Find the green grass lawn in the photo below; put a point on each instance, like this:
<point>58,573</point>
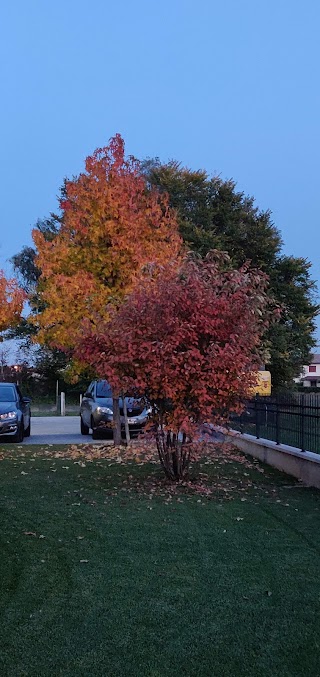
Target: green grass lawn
<point>106,570</point>
<point>47,407</point>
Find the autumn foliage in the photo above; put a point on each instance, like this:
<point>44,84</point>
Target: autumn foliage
<point>188,340</point>
<point>11,302</point>
<point>111,227</point>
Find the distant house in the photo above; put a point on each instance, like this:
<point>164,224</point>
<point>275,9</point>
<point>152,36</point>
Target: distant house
<point>310,376</point>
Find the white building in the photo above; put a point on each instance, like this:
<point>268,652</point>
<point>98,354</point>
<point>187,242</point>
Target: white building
<point>310,376</point>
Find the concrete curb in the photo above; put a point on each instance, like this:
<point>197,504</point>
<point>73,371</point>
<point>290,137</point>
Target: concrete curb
<point>304,465</point>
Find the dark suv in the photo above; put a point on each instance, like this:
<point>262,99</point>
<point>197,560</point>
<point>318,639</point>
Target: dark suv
<point>96,411</point>
<point>15,412</point>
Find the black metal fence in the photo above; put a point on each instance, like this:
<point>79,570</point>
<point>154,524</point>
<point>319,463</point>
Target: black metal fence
<point>292,419</point>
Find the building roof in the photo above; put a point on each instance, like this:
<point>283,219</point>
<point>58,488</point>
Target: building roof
<point>315,359</point>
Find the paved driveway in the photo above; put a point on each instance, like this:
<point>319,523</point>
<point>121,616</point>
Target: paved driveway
<point>66,430</point>
<point>56,430</point>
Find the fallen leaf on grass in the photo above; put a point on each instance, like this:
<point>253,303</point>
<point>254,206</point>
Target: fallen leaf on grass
<point>84,561</point>
<point>29,533</point>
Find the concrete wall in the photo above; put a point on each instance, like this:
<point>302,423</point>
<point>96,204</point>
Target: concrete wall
<point>304,465</point>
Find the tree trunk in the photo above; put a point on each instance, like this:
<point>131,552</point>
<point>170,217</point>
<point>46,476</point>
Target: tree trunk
<point>126,424</point>
<point>174,453</point>
<point>116,422</point>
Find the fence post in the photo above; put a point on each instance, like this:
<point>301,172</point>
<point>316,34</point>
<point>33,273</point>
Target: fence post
<point>63,404</point>
<point>277,423</point>
<point>302,410</point>
<point>57,396</point>
<point>256,410</point>
<point>241,423</point>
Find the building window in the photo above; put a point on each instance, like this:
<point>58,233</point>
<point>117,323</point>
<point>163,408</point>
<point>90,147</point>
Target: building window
<point>312,368</point>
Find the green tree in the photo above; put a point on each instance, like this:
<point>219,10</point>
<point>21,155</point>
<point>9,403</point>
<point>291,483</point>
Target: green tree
<point>213,214</point>
<point>24,262</point>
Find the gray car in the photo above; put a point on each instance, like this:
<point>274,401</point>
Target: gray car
<point>15,413</point>
<point>96,411</point>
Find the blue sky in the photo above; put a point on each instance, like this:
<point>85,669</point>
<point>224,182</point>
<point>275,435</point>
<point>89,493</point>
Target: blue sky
<point>232,87</point>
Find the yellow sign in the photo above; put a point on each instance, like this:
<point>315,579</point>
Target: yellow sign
<point>263,386</point>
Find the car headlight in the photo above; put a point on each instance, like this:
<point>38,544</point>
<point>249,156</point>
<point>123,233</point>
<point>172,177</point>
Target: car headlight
<point>8,415</point>
<point>104,410</point>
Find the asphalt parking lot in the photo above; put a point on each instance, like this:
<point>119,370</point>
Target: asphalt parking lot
<point>57,430</point>
<point>66,430</point>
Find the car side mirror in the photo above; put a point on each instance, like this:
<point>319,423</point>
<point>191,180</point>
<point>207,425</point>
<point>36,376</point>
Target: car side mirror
<point>26,400</point>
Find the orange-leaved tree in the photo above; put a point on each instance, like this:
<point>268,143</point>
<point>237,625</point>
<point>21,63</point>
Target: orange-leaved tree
<point>11,302</point>
<point>112,227</point>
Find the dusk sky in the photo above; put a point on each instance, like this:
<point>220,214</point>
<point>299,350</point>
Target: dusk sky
<point>231,87</point>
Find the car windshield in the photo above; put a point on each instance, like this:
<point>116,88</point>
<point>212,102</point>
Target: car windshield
<point>7,394</point>
<point>104,389</point>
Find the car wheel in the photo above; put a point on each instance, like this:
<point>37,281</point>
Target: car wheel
<point>18,437</point>
<point>95,432</point>
<point>83,427</point>
<point>27,432</point>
